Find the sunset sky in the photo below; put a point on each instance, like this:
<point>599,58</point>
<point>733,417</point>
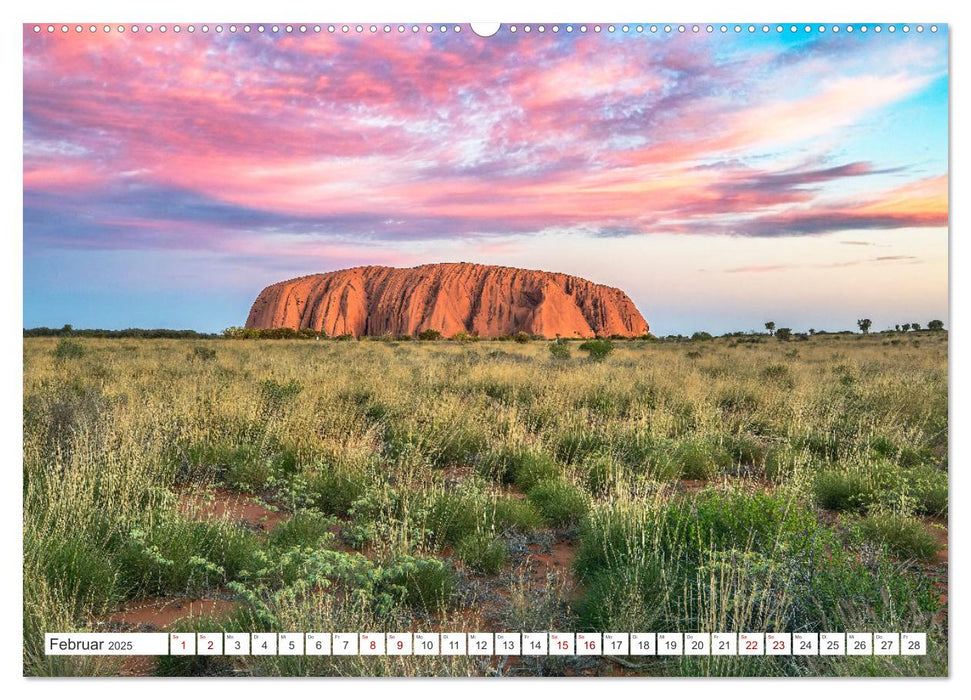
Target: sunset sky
<point>721,180</point>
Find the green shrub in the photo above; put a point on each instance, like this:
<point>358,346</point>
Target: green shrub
<point>601,474</point>
<point>928,488</point>
<point>483,553</point>
<point>249,471</point>
<point>68,349</point>
<point>597,350</point>
<point>902,536</point>
<point>430,334</point>
<point>747,449</point>
<point>842,490</point>
<point>577,443</point>
<point>524,466</point>
<point>275,396</point>
<point>428,583</point>
<point>628,597</point>
<point>176,556</point>
<point>239,466</point>
<point>203,353</point>
<point>305,529</point>
<point>333,490</point>
<point>81,572</point>
<point>516,513</point>
<point>560,502</point>
<point>560,350</point>
<point>697,459</point>
<point>453,516</point>
<point>779,375</point>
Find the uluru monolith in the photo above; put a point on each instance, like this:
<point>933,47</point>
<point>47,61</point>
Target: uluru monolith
<point>484,300</point>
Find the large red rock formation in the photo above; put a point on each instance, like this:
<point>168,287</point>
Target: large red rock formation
<point>484,300</point>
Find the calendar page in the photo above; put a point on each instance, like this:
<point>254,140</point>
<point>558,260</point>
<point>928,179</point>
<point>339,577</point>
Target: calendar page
<point>478,350</point>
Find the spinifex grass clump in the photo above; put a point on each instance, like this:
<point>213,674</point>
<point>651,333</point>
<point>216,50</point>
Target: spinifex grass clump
<point>560,502</point>
<point>902,536</point>
<point>731,561</point>
<point>175,556</point>
<point>744,488</point>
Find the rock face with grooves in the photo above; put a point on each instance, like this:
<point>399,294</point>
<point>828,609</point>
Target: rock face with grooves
<point>484,300</point>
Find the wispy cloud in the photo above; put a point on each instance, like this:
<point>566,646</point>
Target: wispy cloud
<point>228,141</point>
<point>822,266</point>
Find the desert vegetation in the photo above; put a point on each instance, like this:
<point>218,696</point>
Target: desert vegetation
<point>721,484</point>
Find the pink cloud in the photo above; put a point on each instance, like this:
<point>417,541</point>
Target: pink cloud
<point>634,135</point>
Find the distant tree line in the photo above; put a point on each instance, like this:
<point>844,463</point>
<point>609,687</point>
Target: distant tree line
<point>68,331</point>
<point>783,334</point>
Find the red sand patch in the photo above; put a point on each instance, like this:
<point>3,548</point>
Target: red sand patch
<point>162,613</point>
<point>558,560</point>
<point>221,504</point>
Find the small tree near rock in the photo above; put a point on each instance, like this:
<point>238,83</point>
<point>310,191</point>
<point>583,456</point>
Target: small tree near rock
<point>597,350</point>
<point>560,350</point>
<point>430,334</point>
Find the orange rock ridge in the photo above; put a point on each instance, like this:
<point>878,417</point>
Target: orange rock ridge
<point>484,300</point>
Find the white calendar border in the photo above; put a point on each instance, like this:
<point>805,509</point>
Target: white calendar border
<point>11,648</point>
